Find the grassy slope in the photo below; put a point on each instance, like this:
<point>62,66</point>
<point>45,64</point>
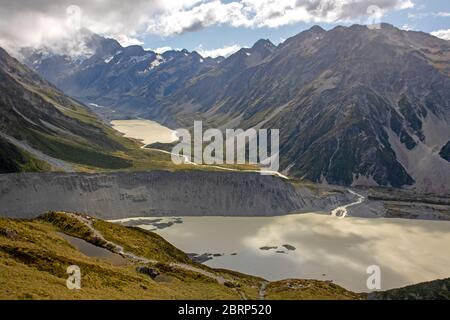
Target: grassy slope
<point>12,159</point>
<point>34,111</point>
<point>433,290</point>
<point>34,258</point>
<point>307,290</point>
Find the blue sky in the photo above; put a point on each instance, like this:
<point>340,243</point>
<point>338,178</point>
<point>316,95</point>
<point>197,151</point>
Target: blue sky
<point>202,25</point>
<point>424,16</point>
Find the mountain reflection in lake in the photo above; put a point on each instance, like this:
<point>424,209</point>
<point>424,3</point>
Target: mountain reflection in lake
<point>326,248</point>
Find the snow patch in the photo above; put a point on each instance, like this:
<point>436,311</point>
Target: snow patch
<point>159,60</point>
<point>108,59</point>
<point>136,59</point>
<point>95,105</point>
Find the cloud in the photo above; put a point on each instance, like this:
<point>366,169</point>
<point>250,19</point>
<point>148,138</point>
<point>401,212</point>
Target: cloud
<point>126,41</point>
<point>407,27</point>
<point>33,23</point>
<point>198,17</point>
<point>443,34</point>
<point>269,13</point>
<point>420,15</point>
<point>50,22</point>
<point>161,49</point>
<point>220,52</point>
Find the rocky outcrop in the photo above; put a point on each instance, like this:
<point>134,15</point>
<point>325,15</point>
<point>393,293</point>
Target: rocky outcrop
<point>159,193</point>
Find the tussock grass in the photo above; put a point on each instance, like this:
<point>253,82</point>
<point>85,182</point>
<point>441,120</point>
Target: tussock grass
<point>34,258</point>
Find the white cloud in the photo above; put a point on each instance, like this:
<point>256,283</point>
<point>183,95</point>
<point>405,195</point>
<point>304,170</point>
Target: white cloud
<point>198,17</point>
<point>33,23</point>
<point>443,34</point>
<point>406,4</point>
<point>50,22</point>
<point>420,15</point>
<point>220,52</point>
<point>126,41</point>
<point>162,49</point>
<point>407,27</point>
<point>269,13</point>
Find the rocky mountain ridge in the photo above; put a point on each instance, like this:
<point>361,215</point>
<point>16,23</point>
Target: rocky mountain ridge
<point>355,105</point>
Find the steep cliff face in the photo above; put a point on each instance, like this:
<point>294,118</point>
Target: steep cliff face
<point>190,193</point>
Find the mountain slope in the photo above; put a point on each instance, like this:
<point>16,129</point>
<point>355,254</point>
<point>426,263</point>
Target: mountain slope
<point>39,122</point>
<point>35,254</point>
<point>13,159</point>
<point>129,79</point>
<point>43,129</point>
<point>354,105</point>
<point>433,290</point>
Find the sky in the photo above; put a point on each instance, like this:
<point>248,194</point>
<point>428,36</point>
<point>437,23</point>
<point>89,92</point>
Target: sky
<point>211,27</point>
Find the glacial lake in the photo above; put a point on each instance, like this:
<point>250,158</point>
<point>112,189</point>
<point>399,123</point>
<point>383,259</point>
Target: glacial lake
<point>326,247</point>
<point>316,246</point>
<point>147,131</point>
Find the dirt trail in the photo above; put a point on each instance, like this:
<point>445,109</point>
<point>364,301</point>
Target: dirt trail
<point>262,290</point>
<point>87,221</point>
<point>187,161</point>
<point>219,279</point>
<point>116,248</point>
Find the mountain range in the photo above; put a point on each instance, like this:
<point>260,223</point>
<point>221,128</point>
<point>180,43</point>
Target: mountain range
<point>354,105</point>
<point>43,129</point>
<point>128,78</point>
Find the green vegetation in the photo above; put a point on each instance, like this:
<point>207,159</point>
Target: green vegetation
<point>141,242</point>
<point>14,160</point>
<point>34,112</point>
<point>71,226</point>
<point>433,290</point>
<point>82,155</point>
<point>34,258</point>
<point>309,290</point>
